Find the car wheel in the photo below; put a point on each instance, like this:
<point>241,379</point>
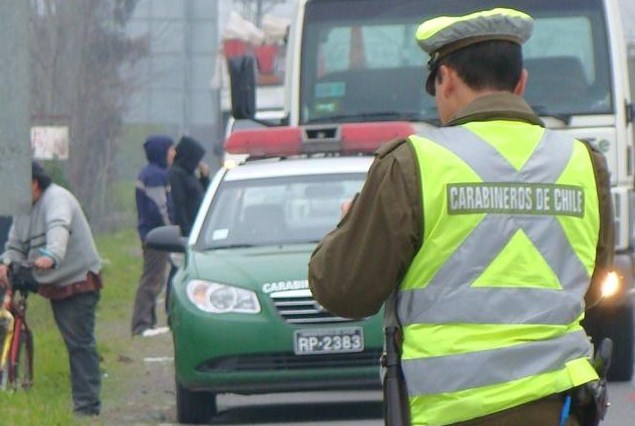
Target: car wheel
<point>194,407</point>
<point>616,323</point>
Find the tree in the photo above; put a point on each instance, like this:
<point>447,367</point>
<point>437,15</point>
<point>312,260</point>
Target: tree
<point>254,10</point>
<point>78,50</point>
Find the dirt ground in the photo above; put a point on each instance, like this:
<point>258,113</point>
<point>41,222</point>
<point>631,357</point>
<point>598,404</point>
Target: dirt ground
<point>139,389</point>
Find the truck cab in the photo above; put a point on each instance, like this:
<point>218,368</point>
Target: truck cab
<point>357,61</point>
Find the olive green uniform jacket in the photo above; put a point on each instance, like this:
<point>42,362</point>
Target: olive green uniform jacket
<point>357,266</point>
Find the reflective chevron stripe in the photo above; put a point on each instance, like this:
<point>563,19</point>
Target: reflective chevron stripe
<point>477,326</point>
<point>439,302</point>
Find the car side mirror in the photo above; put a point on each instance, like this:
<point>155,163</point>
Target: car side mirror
<point>242,73</point>
<point>166,238</point>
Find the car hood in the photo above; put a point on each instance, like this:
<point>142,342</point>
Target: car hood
<point>262,269</point>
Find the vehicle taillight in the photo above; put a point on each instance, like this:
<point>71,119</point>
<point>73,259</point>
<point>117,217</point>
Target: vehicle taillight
<point>610,285</point>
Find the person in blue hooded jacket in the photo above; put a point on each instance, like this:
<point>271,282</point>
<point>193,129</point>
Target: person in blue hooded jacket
<point>154,209</point>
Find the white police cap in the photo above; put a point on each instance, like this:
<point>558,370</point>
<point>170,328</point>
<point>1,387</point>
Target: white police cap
<point>446,34</point>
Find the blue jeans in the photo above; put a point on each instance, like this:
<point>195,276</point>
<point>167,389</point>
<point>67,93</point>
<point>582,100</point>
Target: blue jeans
<point>75,318</point>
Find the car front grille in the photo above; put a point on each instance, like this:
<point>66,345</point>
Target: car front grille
<point>290,361</point>
<point>299,307</point>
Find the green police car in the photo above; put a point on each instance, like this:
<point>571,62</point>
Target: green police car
<point>242,317</point>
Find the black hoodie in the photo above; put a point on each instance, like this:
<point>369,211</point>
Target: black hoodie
<point>187,188</point>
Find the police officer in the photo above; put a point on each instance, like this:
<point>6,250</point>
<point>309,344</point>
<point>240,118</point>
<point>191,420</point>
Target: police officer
<point>484,237</point>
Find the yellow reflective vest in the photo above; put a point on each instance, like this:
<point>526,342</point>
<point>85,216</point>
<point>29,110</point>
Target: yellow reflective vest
<point>492,303</point>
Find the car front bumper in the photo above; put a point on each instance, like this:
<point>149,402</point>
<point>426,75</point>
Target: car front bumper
<point>251,354</point>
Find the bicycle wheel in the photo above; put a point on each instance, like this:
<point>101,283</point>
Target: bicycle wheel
<point>21,363</point>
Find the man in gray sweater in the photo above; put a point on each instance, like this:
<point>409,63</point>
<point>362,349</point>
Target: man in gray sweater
<point>56,238</point>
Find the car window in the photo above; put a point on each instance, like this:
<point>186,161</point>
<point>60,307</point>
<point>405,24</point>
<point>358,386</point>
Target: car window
<point>288,210</point>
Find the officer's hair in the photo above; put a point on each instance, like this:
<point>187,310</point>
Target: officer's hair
<point>495,65</point>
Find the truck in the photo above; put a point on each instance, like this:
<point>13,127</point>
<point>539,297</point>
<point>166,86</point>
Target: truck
<point>357,61</point>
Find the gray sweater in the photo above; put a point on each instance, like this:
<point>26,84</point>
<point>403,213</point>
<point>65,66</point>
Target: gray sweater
<point>58,227</point>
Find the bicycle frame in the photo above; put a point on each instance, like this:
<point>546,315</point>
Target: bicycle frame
<point>6,323</point>
<point>13,312</point>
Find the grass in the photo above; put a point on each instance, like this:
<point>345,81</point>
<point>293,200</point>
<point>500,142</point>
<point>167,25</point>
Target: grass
<point>48,402</point>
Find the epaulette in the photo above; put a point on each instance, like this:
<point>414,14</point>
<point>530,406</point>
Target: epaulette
<point>590,146</point>
<point>389,147</point>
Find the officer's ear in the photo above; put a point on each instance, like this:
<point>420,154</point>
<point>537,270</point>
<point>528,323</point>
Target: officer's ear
<point>446,79</point>
<point>522,83</point>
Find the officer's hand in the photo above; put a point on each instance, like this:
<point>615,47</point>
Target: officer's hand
<point>44,262</point>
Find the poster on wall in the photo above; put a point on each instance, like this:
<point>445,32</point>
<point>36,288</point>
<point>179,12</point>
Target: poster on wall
<point>50,142</point>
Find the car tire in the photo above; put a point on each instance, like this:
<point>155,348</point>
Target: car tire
<point>616,323</point>
<point>194,407</point>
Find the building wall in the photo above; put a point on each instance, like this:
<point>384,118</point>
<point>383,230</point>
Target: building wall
<point>628,18</point>
<point>174,91</point>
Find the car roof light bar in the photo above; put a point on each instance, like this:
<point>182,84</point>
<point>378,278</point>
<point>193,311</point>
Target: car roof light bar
<point>367,137</point>
<point>347,138</point>
<point>266,142</point>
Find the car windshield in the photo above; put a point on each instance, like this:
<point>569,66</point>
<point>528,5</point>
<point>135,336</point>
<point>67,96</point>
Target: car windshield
<point>368,64</point>
<point>277,211</point>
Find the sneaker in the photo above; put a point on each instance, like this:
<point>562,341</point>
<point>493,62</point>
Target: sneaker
<point>154,331</point>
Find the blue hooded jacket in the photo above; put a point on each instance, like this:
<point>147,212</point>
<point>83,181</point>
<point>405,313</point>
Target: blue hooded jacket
<point>154,204</point>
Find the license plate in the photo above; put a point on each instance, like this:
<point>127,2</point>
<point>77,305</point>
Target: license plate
<point>322,341</point>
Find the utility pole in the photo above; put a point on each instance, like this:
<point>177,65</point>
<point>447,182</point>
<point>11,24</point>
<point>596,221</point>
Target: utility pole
<point>188,58</point>
<point>15,121</point>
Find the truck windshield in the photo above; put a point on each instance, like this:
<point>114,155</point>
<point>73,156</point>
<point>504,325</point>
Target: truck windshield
<point>361,61</point>
<point>277,211</point>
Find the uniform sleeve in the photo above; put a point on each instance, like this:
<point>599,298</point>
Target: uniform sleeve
<point>354,268</point>
<point>606,241</point>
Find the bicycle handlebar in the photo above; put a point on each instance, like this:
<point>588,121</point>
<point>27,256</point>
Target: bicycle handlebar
<point>20,276</point>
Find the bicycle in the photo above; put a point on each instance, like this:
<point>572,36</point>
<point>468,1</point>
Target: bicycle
<point>16,356</point>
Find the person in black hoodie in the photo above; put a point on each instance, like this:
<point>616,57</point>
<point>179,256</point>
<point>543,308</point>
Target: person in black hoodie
<point>188,177</point>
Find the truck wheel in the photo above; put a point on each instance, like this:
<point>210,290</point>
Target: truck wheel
<point>616,323</point>
<point>621,331</point>
<point>194,407</point>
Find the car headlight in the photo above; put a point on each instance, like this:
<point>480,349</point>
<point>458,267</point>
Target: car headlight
<point>610,285</point>
<point>221,298</point>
